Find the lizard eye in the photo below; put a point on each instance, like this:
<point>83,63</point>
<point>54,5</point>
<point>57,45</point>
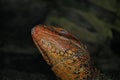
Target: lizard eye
<point>63,31</point>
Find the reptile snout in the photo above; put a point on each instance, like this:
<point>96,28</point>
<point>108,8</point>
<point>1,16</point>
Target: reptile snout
<point>33,30</point>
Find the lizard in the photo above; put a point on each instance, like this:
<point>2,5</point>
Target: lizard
<point>68,57</point>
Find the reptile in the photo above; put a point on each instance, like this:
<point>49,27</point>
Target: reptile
<point>68,57</point>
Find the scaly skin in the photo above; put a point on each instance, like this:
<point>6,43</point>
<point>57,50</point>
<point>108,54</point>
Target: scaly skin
<point>68,57</point>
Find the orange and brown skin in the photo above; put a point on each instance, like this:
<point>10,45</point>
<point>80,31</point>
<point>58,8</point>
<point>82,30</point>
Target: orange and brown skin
<point>67,56</point>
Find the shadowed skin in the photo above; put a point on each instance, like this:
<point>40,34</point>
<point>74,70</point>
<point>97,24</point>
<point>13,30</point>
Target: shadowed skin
<point>67,56</point>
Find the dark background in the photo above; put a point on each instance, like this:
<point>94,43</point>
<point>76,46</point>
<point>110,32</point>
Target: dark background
<point>95,22</point>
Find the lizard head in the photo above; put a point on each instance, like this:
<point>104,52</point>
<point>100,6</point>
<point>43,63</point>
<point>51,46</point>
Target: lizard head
<point>54,43</point>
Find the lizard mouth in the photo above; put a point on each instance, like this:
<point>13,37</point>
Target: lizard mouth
<point>34,37</point>
<point>45,56</point>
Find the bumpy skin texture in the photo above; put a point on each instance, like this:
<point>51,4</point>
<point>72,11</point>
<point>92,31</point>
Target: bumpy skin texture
<point>67,56</point>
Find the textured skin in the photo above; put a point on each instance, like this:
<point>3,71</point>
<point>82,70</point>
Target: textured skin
<point>68,57</point>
